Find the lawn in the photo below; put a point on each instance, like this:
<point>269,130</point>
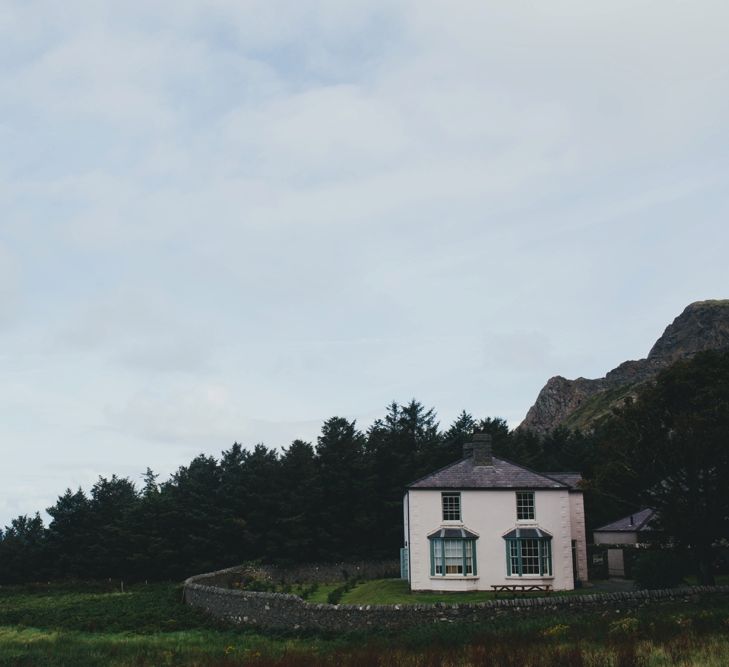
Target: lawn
<point>396,591</point>
<point>90,625</point>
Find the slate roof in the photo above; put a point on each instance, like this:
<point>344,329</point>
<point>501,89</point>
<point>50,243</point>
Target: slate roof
<point>501,475</point>
<point>571,479</point>
<point>462,533</point>
<point>527,533</point>
<point>641,521</point>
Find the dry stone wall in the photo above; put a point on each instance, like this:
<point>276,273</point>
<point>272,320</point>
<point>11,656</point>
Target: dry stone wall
<point>278,611</point>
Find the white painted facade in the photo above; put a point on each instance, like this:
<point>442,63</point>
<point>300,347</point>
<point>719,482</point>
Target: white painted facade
<point>491,514</point>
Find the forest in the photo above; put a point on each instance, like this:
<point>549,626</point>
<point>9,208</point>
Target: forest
<point>340,498</point>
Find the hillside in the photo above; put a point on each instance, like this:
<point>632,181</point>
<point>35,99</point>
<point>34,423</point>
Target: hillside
<point>703,325</point>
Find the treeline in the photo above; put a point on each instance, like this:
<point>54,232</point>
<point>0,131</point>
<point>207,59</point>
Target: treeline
<point>337,499</point>
<point>341,498</point>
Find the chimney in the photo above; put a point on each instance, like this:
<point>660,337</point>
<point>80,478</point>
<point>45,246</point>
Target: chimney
<point>482,455</point>
<point>631,519</point>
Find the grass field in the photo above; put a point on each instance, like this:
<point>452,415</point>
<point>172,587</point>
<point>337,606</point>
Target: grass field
<point>396,591</point>
<point>95,624</point>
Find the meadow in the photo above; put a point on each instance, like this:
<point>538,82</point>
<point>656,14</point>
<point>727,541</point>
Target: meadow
<point>90,624</point>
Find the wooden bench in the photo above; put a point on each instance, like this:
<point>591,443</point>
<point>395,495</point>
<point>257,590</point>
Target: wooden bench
<point>521,588</point>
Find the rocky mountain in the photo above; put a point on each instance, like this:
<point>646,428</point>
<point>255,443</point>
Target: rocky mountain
<point>703,325</point>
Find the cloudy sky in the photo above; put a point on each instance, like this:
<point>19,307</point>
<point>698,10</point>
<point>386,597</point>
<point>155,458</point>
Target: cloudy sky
<point>230,220</point>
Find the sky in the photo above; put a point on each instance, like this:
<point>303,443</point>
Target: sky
<point>229,221</point>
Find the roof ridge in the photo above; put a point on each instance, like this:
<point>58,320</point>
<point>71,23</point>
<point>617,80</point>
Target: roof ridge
<point>650,515</point>
<point>503,473</point>
<point>617,524</point>
<point>434,472</point>
<point>535,472</point>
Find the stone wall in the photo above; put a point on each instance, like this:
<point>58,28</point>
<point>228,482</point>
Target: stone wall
<point>330,573</point>
<point>319,573</point>
<point>278,611</point>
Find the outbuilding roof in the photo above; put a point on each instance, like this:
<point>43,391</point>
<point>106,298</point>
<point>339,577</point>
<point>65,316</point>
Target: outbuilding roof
<point>502,474</point>
<point>633,523</point>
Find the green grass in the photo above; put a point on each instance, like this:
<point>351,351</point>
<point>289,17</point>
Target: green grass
<point>317,597</point>
<point>720,580</point>
<point>51,648</point>
<point>90,625</point>
<point>597,407</point>
<point>397,591</point>
<point>93,607</point>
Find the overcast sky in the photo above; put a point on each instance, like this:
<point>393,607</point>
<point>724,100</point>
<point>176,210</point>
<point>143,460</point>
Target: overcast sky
<point>231,220</point>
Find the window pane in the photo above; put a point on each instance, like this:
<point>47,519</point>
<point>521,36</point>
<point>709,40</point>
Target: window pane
<point>451,506</point>
<point>454,556</point>
<point>468,545</point>
<point>546,557</point>
<point>524,505</point>
<point>514,556</point>
<point>438,556</point>
<point>529,556</point>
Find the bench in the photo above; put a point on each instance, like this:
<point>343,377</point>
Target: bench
<point>521,588</point>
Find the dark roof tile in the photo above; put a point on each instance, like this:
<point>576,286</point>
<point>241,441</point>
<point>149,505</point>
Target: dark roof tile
<point>632,523</point>
<point>571,479</point>
<point>502,474</point>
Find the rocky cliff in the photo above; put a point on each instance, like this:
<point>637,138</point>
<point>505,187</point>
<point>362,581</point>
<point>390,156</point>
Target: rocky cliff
<point>703,325</point>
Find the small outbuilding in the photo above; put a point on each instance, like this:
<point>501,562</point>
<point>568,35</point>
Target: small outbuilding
<point>636,528</point>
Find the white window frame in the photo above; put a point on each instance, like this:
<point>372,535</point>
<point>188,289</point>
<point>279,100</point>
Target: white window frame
<point>452,557</point>
<point>523,507</point>
<point>448,513</point>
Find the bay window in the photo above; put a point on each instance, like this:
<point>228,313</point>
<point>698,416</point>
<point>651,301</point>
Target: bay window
<point>528,553</point>
<point>453,552</point>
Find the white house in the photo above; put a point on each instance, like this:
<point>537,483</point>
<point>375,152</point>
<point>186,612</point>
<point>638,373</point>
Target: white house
<point>482,521</point>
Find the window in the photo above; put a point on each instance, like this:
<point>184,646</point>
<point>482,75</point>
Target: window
<point>528,552</point>
<point>451,503</point>
<point>524,505</point>
<point>452,552</point>
<point>453,556</point>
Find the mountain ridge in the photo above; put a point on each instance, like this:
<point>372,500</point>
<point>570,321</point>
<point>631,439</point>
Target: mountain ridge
<point>578,403</point>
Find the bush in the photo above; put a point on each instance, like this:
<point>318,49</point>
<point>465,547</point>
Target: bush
<point>657,569</point>
<point>336,595</point>
<point>625,627</point>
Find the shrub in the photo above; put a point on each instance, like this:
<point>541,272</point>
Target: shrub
<point>624,627</point>
<point>657,569</point>
<point>308,591</point>
<point>556,631</point>
<point>336,595</point>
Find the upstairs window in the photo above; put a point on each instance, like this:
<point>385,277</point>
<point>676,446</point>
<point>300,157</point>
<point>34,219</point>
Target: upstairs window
<point>451,503</point>
<point>525,505</point>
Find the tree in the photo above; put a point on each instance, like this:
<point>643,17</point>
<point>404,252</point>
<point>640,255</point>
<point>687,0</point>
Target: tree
<point>459,433</point>
<point>111,503</point>
<point>194,521</point>
<point>400,449</point>
<point>669,450</point>
<point>22,550</point>
<point>301,494</point>
<point>70,534</point>
<point>345,503</point>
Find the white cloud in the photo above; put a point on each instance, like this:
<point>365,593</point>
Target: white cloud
<point>234,219</point>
